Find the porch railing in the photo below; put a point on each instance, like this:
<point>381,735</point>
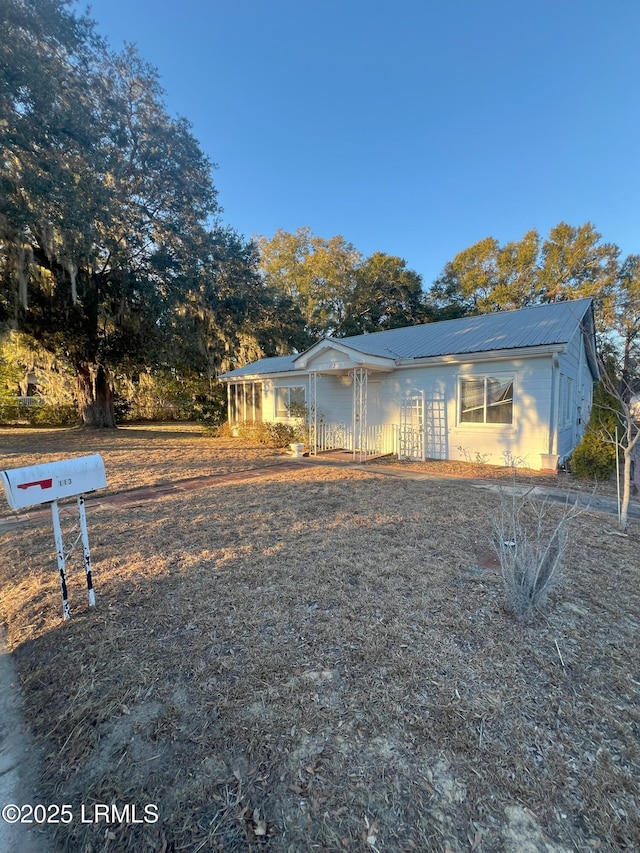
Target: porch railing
<point>380,439</point>
<point>335,436</point>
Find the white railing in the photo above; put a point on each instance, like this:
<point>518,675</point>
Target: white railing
<point>379,439</point>
<point>336,436</point>
<point>382,439</point>
<point>24,402</point>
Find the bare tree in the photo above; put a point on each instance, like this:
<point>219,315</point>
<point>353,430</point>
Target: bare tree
<point>626,436</point>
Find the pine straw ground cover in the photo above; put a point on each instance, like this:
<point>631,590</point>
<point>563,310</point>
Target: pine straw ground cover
<point>322,661</point>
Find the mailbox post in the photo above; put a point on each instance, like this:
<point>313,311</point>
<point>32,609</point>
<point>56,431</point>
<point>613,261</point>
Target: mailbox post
<point>49,483</point>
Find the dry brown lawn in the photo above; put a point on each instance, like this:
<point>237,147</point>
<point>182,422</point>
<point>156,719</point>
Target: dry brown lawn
<point>137,455</point>
<point>321,660</point>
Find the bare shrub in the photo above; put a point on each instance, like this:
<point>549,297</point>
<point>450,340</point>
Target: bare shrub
<point>532,545</point>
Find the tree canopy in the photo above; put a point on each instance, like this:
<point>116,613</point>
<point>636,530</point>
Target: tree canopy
<point>572,262</point>
<point>108,215</point>
<point>338,291</point>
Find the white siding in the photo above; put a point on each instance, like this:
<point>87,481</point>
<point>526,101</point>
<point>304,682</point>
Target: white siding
<point>551,402</point>
<point>334,396</point>
<point>446,438</point>
<point>335,399</point>
<point>576,392</point>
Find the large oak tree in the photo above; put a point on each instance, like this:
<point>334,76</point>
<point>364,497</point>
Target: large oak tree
<point>105,198</point>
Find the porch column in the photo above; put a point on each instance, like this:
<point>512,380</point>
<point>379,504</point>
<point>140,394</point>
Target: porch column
<point>313,413</point>
<point>360,377</point>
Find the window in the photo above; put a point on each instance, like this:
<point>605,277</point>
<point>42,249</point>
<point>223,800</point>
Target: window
<point>288,400</point>
<point>568,401</point>
<point>565,402</point>
<point>486,400</point>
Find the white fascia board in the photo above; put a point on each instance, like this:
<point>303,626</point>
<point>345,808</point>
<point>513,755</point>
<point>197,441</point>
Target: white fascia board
<point>489,355</point>
<point>262,377</point>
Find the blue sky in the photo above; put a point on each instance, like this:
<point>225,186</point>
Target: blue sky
<point>411,127</point>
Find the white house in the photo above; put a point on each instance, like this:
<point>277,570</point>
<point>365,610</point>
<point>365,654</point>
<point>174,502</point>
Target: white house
<point>502,388</point>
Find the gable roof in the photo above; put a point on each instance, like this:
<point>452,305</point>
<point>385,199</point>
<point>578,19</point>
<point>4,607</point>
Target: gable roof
<point>541,325</point>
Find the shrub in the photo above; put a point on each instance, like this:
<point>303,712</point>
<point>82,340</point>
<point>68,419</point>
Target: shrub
<point>121,408</point>
<point>210,412</point>
<point>274,434</point>
<point>50,415</point>
<point>43,414</point>
<point>595,457</point>
<point>269,434</point>
<point>531,547</point>
<point>10,412</point>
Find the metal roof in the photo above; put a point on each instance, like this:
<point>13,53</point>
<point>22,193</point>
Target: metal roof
<point>540,325</point>
<point>277,364</point>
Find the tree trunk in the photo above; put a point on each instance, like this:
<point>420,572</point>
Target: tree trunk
<point>95,397</point>
<point>626,489</point>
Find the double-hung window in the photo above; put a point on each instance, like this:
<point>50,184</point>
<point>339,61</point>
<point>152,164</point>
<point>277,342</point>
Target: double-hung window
<point>290,401</point>
<point>486,400</point>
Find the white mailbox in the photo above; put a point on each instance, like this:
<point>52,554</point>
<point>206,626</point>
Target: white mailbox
<point>49,483</point>
<point>52,481</point>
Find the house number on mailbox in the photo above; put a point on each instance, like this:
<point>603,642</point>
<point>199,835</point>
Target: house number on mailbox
<point>47,484</point>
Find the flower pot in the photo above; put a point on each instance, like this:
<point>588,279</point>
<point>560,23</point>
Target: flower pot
<point>549,463</point>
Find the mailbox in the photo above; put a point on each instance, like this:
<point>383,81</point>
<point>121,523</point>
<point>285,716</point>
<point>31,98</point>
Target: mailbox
<point>49,483</point>
<point>52,481</point>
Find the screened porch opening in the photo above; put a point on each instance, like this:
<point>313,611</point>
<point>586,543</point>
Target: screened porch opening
<point>245,402</point>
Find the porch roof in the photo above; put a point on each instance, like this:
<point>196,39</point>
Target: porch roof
<point>276,364</point>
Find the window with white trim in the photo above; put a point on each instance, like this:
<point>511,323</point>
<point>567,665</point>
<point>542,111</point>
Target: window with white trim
<point>288,399</point>
<point>486,400</point>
